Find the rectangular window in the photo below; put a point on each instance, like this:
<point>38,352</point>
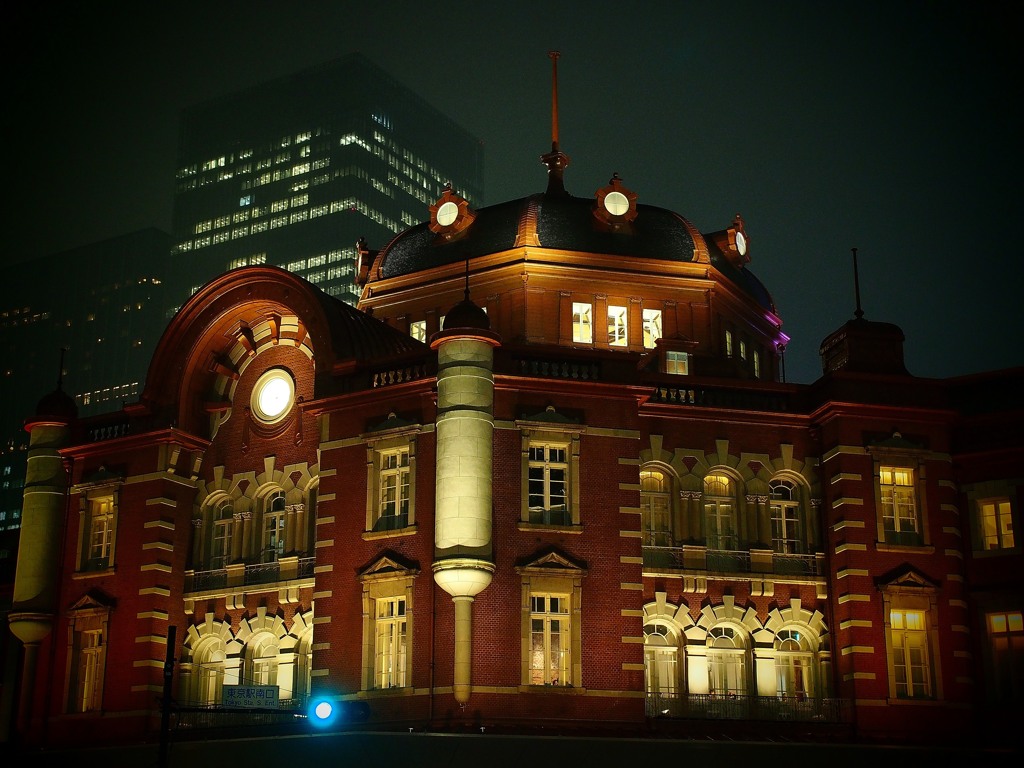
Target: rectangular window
<point>101,531</point>
<point>390,637</point>
<point>88,649</point>
<point>582,327</point>
<point>548,484</point>
<point>728,343</point>
<point>1006,635</point>
<point>550,640</point>
<point>757,364</point>
<point>996,523</point>
<point>393,512</point>
<point>273,531</point>
<point>677,363</point>
<point>652,327</point>
<point>617,326</point>
<point>910,654</point>
<point>899,507</point>
<point>418,330</point>
<point>743,350</point>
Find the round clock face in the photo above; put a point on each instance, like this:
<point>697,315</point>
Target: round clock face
<point>616,203</point>
<point>741,244</point>
<point>273,396</point>
<point>447,214</point>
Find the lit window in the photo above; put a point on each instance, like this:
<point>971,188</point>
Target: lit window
<point>743,350</point>
<point>996,523</point>
<point>261,655</point>
<point>418,330</point>
<point>793,665</point>
<point>548,484</point>
<point>274,528</point>
<point>677,363</point>
<point>390,647</point>
<point>728,343</point>
<point>582,327</point>
<point>617,326</point>
<point>393,511</point>
<point>655,509</point>
<point>785,506</point>
<point>661,664</point>
<point>652,327</point>
<point>899,507</point>
<point>99,523</point>
<point>223,536</point>
<point>911,665</point>
<point>727,662</point>
<point>550,640</point>
<point>720,512</point>
<point>757,364</point>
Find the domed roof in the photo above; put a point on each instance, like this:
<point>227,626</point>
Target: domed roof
<point>466,314</point>
<point>58,405</point>
<point>563,222</point>
<point>560,222</point>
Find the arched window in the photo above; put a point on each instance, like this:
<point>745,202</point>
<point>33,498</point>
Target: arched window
<point>727,662</point>
<point>273,527</point>
<point>261,659</point>
<point>655,508</point>
<point>794,664</point>
<point>720,512</point>
<point>661,662</point>
<point>208,665</point>
<point>786,517</point>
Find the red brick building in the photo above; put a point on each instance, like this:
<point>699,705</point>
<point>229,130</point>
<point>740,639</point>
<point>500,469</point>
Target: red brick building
<point>545,477</point>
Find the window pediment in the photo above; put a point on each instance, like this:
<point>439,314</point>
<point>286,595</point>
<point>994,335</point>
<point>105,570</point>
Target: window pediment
<point>907,577</point>
<point>552,561</point>
<point>387,567</point>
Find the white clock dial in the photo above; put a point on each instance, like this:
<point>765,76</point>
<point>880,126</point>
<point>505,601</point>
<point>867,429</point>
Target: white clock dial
<point>447,214</point>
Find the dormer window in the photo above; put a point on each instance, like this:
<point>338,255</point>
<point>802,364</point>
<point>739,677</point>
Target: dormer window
<point>677,363</point>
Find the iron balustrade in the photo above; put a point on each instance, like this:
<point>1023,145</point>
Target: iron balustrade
<point>727,561</point>
<point>254,573</point>
<point>740,706</point>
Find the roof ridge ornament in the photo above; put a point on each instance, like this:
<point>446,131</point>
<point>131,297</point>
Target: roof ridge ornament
<point>555,160</point>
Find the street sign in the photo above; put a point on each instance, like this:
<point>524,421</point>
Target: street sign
<point>250,696</point>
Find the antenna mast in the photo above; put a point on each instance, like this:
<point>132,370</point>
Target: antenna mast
<point>555,160</point>
<point>856,285</point>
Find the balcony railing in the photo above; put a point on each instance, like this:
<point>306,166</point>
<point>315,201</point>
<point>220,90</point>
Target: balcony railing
<point>733,706</point>
<point>696,558</point>
<point>254,573</point>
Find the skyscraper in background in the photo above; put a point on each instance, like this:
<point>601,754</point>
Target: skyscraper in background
<point>294,171</point>
<point>291,172</point>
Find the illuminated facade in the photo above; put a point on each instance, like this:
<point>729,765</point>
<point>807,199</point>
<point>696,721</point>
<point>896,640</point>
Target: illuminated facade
<point>545,474</point>
<point>294,171</point>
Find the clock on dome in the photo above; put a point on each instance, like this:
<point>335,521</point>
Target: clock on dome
<point>616,205</point>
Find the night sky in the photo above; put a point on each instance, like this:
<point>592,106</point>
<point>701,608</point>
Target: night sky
<point>891,127</point>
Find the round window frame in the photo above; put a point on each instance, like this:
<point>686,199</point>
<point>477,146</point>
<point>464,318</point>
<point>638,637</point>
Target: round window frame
<point>269,376</point>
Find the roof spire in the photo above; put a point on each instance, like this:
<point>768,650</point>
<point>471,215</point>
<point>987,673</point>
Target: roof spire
<point>856,285</point>
<point>555,160</point>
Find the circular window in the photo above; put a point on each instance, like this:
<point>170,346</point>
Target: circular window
<point>273,395</point>
<point>447,214</point>
<point>616,203</point>
<point>741,244</point>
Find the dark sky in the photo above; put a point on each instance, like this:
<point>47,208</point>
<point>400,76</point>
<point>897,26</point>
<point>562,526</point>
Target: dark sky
<point>891,127</point>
